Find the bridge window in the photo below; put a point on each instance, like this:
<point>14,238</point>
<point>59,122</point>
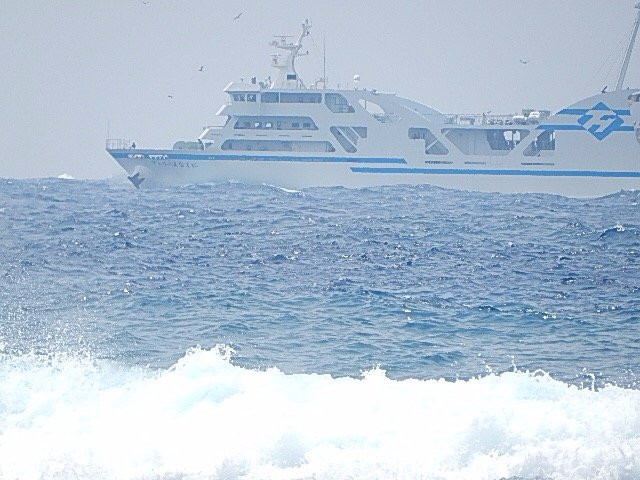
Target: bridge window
<point>251,97</point>
<point>286,97</point>
<point>337,103</point>
<point>290,97</point>
<point>238,97</point>
<point>270,97</point>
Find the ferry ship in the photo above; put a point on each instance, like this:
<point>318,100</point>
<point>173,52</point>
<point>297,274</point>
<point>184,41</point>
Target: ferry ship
<point>289,134</point>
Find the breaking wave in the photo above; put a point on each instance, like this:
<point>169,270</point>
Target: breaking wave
<point>79,417</point>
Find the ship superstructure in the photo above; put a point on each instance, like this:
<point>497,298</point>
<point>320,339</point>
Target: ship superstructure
<point>286,133</point>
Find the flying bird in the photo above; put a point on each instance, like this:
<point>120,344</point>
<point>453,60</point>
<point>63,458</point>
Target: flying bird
<point>146,3</point>
<point>201,69</point>
<point>170,96</point>
<point>524,62</point>
<point>237,16</point>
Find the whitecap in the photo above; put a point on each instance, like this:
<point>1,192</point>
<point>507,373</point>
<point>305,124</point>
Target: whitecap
<point>205,417</point>
<point>282,189</point>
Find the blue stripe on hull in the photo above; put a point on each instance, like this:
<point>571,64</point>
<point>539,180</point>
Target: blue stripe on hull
<point>169,155</point>
<point>622,128</point>
<point>583,111</point>
<point>165,155</point>
<point>464,171</point>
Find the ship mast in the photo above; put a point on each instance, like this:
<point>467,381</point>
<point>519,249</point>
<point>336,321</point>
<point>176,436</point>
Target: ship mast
<point>627,58</point>
<point>288,77</point>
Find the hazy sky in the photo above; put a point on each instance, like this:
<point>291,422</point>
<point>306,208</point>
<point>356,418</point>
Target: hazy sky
<point>70,68</point>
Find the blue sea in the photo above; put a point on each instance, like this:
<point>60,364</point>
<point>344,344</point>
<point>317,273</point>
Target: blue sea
<point>239,332</point>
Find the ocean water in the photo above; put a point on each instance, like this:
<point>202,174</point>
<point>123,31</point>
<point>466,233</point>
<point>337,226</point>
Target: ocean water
<point>250,332</point>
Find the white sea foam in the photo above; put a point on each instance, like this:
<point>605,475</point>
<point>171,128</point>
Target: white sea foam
<point>65,417</point>
<point>282,189</point>
<point>66,176</point>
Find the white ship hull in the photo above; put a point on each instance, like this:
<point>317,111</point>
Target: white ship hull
<point>294,175</point>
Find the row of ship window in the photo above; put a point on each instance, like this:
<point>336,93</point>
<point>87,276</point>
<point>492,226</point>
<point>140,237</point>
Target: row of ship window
<point>336,102</point>
<point>278,146</point>
<point>499,141</point>
<point>348,139</point>
<point>244,97</point>
<point>279,125</point>
<point>277,97</point>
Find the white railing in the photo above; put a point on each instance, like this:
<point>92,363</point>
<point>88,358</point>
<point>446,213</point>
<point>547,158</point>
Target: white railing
<point>478,119</point>
<point>491,119</point>
<point>120,144</point>
<point>213,130</point>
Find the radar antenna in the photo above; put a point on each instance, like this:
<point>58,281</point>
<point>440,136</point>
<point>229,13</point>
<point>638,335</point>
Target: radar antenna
<point>627,57</point>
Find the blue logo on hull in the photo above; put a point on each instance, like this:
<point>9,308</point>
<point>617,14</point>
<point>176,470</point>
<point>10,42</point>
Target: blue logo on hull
<point>599,120</point>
